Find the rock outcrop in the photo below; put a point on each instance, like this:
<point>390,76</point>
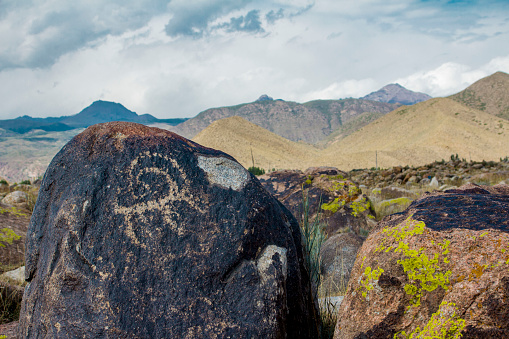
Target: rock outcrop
<point>440,269</point>
<point>140,233</point>
<point>340,202</point>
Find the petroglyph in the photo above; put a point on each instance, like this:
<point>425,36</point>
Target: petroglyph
<point>153,189</point>
<point>224,172</point>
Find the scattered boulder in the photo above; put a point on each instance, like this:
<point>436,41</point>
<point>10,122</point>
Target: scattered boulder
<point>392,206</point>
<point>434,182</point>
<point>340,201</point>
<point>140,233</point>
<point>439,268</point>
<point>14,198</point>
<point>393,192</point>
<point>337,256</point>
<point>17,276</point>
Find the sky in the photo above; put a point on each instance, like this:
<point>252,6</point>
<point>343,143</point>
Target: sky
<point>176,58</point>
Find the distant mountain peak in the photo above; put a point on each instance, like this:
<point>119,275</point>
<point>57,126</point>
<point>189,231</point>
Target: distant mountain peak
<point>395,93</point>
<point>264,97</point>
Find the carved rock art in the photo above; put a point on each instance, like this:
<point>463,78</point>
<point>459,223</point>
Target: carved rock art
<point>141,233</point>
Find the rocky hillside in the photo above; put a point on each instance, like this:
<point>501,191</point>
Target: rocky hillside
<point>395,93</point>
<point>490,95</point>
<point>309,122</point>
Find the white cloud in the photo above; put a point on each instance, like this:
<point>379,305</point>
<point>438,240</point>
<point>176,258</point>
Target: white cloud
<point>344,89</point>
<point>58,64</point>
<point>450,77</point>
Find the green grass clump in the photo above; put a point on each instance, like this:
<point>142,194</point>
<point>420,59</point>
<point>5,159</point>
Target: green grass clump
<point>256,170</point>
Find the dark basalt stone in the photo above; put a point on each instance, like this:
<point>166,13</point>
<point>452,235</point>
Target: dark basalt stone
<point>140,233</point>
<point>472,207</point>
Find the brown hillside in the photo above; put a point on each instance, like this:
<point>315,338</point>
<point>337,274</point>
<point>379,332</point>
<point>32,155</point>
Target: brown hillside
<point>490,94</point>
<point>422,133</point>
<point>237,137</point>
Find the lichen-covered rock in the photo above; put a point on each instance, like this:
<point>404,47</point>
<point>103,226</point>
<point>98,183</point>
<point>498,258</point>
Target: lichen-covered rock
<point>140,233</point>
<point>339,200</point>
<point>438,270</point>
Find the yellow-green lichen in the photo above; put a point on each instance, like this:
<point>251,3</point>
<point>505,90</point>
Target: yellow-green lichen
<point>7,236</point>
<point>369,278</point>
<point>442,325</point>
<point>360,206</point>
<point>12,210</point>
<point>423,272</point>
<point>397,201</point>
<point>334,205</point>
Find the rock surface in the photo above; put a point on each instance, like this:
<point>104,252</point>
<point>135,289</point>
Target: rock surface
<point>442,265</point>
<point>346,208</point>
<point>141,233</point>
<point>13,254</point>
<point>338,255</point>
<point>17,275</point>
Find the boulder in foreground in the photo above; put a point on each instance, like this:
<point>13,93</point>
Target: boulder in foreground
<point>140,233</point>
<point>439,270</point>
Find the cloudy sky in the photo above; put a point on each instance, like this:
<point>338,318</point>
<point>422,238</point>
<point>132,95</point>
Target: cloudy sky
<point>175,58</point>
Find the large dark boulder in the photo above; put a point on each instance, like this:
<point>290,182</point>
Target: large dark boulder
<point>140,233</point>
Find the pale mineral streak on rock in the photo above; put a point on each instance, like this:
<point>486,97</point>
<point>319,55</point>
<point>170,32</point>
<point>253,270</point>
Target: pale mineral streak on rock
<point>267,259</point>
<point>224,172</point>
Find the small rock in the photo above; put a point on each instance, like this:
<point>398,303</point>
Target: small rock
<point>434,182</point>
<point>338,255</point>
<point>17,275</point>
<point>16,197</point>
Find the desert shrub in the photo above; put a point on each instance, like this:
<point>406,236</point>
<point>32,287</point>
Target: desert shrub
<point>25,182</point>
<point>328,318</point>
<point>3,182</point>
<point>10,303</point>
<point>256,170</point>
<point>313,236</point>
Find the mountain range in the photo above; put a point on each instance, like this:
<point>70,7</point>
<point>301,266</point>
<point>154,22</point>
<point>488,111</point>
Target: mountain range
<point>490,95</point>
<point>97,112</point>
<point>347,133</point>
<point>308,122</point>
<point>409,135</point>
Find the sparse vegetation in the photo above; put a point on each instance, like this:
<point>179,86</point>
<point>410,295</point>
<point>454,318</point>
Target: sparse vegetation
<point>313,236</point>
<point>256,170</point>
